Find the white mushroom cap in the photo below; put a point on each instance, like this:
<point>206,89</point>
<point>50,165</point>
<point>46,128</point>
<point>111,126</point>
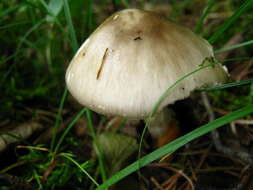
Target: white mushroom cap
<point>132,58</point>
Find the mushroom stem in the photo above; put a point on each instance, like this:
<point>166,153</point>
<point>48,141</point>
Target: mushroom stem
<point>163,127</point>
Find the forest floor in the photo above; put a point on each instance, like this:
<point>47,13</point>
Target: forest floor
<point>48,141</point>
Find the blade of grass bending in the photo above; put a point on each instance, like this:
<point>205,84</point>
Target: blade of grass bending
<point>66,131</point>
<point>205,12</point>
<point>165,94</point>
<point>246,5</point>
<point>80,167</point>
<point>229,85</point>
<point>58,118</point>
<point>233,47</point>
<point>73,38</point>
<point>176,144</point>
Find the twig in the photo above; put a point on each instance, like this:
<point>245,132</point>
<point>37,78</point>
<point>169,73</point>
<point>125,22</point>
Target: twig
<point>19,133</point>
<point>180,172</point>
<point>171,182</point>
<point>243,122</point>
<point>203,157</point>
<point>216,137</point>
<point>155,182</point>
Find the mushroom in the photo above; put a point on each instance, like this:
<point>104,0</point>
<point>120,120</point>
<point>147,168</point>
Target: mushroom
<point>132,58</point>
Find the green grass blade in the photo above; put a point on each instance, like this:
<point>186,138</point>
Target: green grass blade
<point>55,7</point>
<point>80,167</point>
<point>21,42</point>
<point>74,47</point>
<point>167,91</point>
<point>205,12</point>
<point>238,59</point>
<point>32,29</point>
<point>228,85</point>
<point>244,7</point>
<point>89,17</point>
<point>90,124</point>
<point>52,15</point>
<point>233,47</point>
<point>176,144</point>
<point>10,10</point>
<point>58,118</point>
<point>97,149</point>
<point>13,25</point>
<point>73,39</point>
<point>66,131</point>
<point>7,73</point>
<point>122,2</point>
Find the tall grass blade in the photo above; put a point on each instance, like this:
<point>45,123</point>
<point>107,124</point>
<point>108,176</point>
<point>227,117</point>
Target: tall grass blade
<point>67,156</point>
<point>238,59</point>
<point>58,118</point>
<point>229,85</point>
<point>243,8</point>
<point>233,47</point>
<point>66,131</point>
<point>205,12</point>
<point>55,7</point>
<point>74,45</point>
<point>13,25</point>
<point>11,9</point>
<point>73,38</point>
<point>32,29</point>
<point>88,17</point>
<point>52,14</point>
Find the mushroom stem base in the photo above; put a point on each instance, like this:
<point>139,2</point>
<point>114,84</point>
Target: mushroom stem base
<point>163,127</point>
